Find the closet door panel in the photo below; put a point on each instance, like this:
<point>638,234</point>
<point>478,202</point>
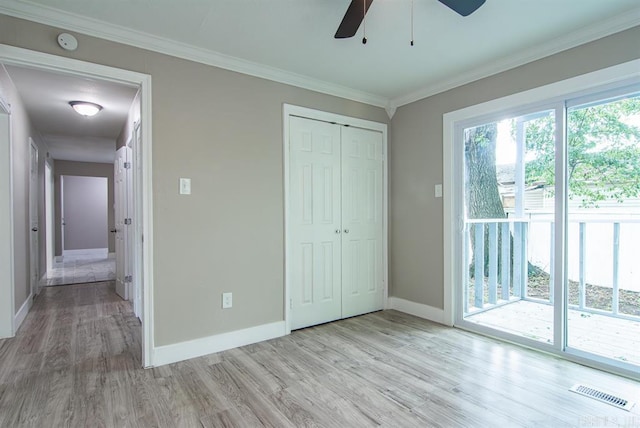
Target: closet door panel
<point>315,252</point>
<point>362,221</point>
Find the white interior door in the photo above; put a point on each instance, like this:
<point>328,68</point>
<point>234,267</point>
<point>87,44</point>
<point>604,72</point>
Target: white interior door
<point>362,221</point>
<point>315,222</point>
<point>121,211</point>
<point>135,235</point>
<point>33,220</point>
<point>48,210</point>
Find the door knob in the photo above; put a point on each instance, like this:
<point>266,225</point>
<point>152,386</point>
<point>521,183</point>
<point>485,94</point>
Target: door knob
<point>34,229</point>
<point>346,231</point>
<point>114,230</point>
<point>338,231</point>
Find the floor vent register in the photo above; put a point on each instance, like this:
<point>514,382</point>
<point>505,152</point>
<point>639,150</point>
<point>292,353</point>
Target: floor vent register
<point>605,397</point>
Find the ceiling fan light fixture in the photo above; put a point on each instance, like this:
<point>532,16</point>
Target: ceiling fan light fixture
<point>85,108</point>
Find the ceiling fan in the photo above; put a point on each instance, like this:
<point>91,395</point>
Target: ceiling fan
<point>358,8</point>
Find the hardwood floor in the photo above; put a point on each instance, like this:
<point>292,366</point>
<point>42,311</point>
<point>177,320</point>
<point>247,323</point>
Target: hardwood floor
<point>75,362</point>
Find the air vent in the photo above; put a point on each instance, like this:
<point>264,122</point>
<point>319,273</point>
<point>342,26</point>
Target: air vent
<point>605,397</point>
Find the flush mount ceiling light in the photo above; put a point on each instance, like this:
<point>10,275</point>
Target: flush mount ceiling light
<point>85,108</point>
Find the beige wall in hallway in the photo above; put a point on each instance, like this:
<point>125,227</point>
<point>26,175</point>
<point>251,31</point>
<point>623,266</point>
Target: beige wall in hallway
<point>416,245</point>
<point>224,131</point>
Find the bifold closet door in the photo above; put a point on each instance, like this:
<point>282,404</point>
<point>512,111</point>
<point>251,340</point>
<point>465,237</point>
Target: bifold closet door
<point>362,221</point>
<point>314,222</point>
<point>335,221</point>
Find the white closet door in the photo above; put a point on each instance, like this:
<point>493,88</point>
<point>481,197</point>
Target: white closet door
<point>362,221</point>
<point>314,222</point>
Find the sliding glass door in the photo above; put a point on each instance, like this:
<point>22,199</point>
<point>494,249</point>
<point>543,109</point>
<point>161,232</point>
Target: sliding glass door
<point>509,224</point>
<point>551,226</point>
<point>603,230</point>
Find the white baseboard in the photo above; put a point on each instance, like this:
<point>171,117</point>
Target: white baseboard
<point>22,313</point>
<point>87,252</point>
<point>168,354</point>
<point>417,309</point>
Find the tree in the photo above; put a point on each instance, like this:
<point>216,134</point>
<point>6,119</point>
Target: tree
<point>603,145</point>
<point>603,160</point>
<point>483,196</point>
<point>481,182</point>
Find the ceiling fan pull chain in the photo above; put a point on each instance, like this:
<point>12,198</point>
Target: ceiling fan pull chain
<point>364,22</point>
<point>412,22</point>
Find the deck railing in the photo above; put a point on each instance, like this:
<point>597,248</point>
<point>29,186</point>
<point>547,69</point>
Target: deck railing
<point>494,283</point>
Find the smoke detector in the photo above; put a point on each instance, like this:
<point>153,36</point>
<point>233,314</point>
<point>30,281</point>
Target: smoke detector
<point>67,42</point>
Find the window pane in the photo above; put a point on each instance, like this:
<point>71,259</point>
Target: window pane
<point>509,182</point>
<point>603,142</point>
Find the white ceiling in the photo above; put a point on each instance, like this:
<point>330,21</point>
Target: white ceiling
<point>68,135</point>
<point>292,40</point>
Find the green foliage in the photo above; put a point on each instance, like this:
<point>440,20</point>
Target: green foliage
<point>603,151</point>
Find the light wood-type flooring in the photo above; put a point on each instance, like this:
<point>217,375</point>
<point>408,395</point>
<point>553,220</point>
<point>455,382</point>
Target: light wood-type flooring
<point>76,362</point>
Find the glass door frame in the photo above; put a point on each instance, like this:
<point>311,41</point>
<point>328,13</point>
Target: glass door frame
<point>550,97</point>
<point>559,215</point>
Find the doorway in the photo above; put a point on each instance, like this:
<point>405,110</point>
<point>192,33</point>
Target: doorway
<point>335,205</point>
<point>143,196</point>
<point>84,215</point>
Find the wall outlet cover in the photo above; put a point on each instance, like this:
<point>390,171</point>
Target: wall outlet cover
<point>227,300</point>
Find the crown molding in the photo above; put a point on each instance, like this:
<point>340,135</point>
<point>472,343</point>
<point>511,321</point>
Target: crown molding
<point>571,40</point>
<point>92,27</point>
<point>46,15</point>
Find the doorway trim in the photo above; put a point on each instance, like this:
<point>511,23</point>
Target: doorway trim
<point>6,224</point>
<point>143,191</point>
<point>289,111</point>
<point>34,222</point>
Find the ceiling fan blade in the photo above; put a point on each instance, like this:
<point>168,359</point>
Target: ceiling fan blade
<point>352,18</point>
<point>463,7</point>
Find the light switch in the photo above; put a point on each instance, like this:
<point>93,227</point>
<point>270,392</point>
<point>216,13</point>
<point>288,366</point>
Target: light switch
<point>438,190</point>
<point>185,186</point>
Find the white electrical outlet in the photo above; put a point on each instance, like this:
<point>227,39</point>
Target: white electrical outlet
<point>227,300</point>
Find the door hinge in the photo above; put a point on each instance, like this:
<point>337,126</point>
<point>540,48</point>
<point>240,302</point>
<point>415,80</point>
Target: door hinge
<point>290,303</point>
<point>128,278</point>
<point>127,221</point>
<point>127,165</point>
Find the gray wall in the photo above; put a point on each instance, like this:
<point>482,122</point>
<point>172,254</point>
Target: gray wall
<point>21,130</point>
<point>416,265</point>
<point>84,207</point>
<point>224,131</point>
<point>82,169</point>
